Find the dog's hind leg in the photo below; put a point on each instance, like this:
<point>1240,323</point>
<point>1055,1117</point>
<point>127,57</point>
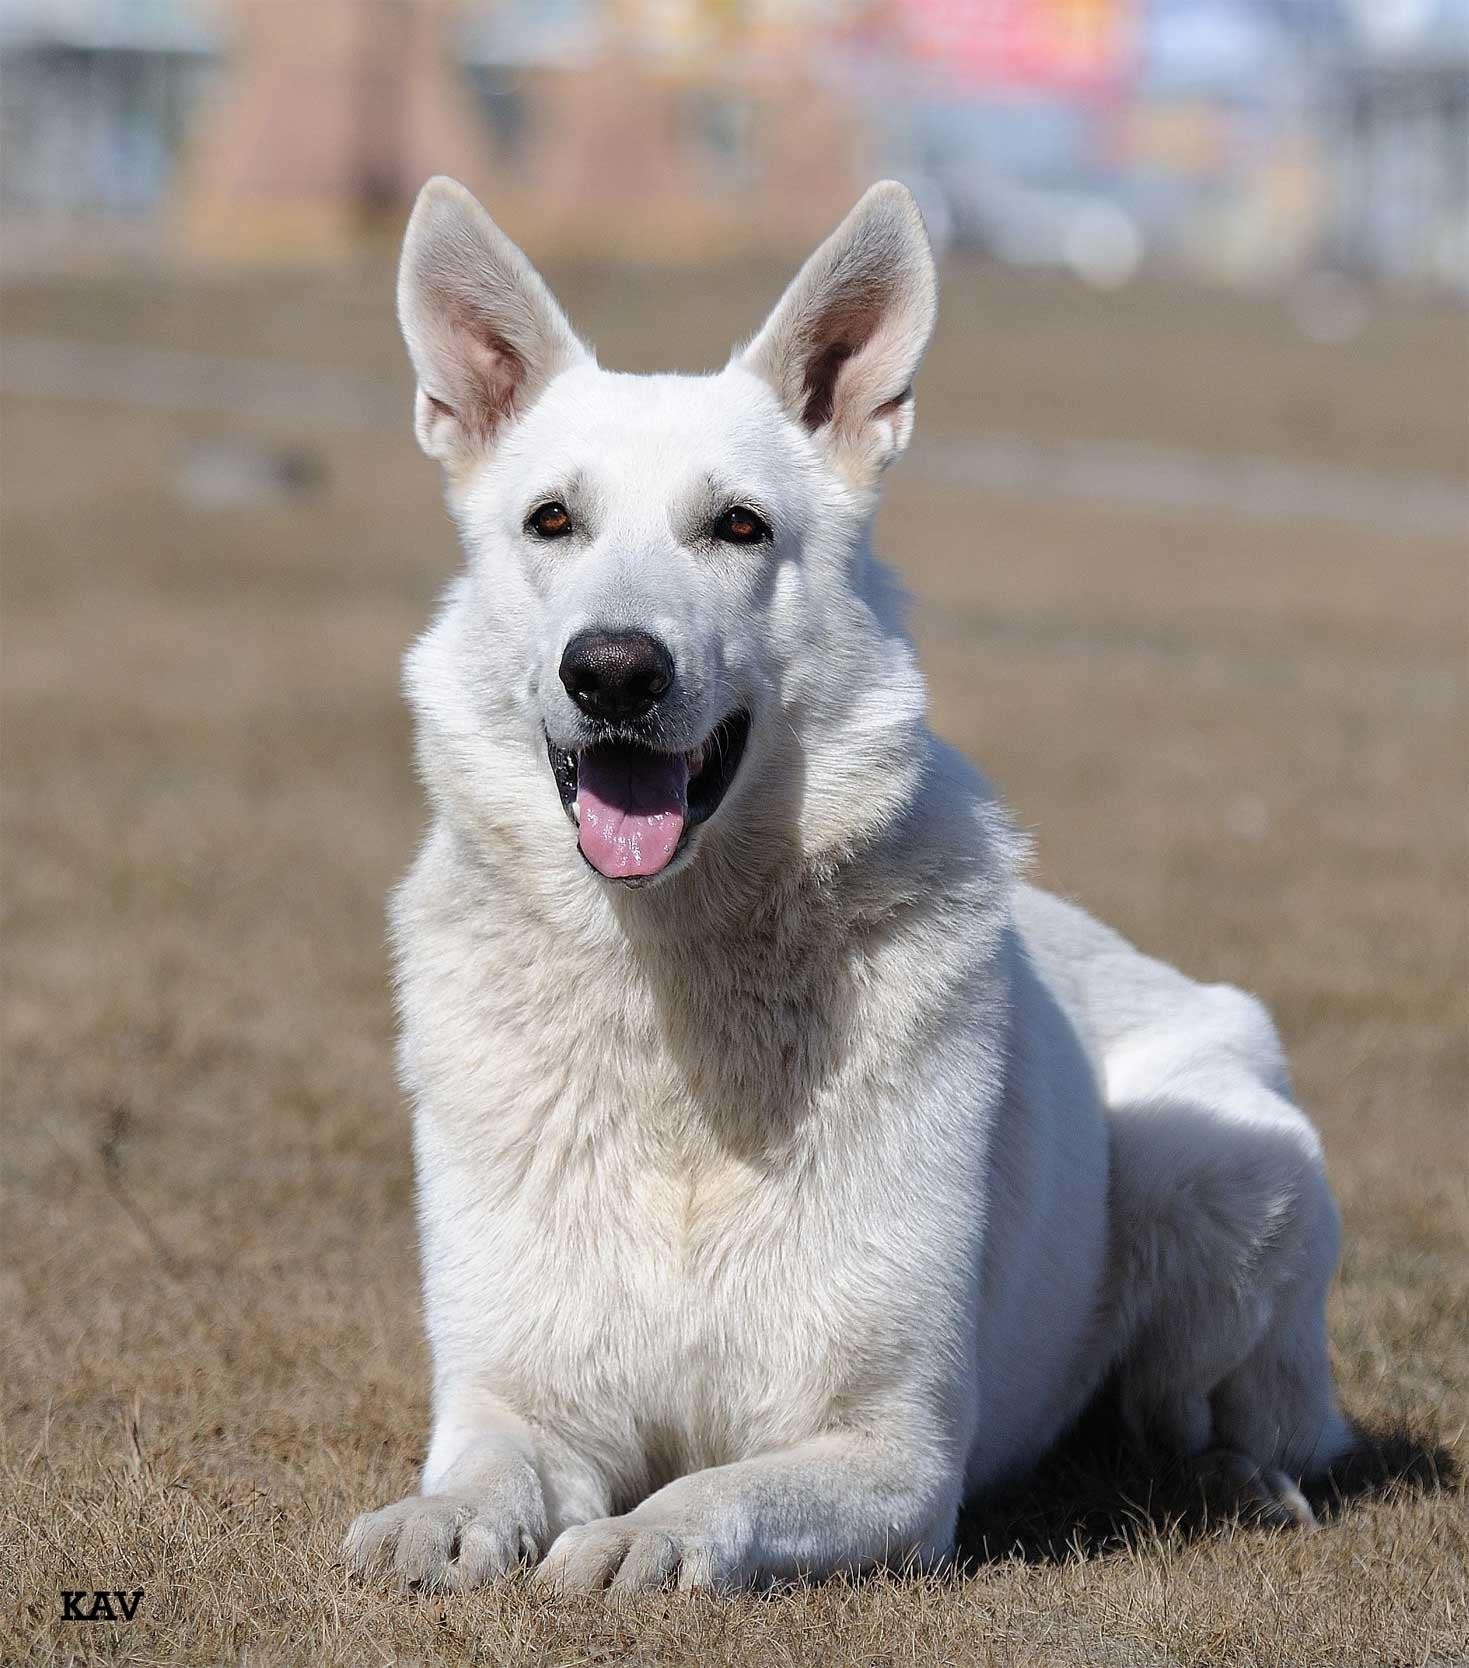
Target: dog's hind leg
<point>1224,1240</point>
<point>1279,1402</point>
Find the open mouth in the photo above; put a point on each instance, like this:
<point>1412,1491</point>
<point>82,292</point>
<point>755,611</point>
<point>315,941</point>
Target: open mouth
<point>633,806</point>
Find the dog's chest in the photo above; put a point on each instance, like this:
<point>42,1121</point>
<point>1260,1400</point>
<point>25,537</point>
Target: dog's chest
<point>627,1213</point>
<point>684,1306</point>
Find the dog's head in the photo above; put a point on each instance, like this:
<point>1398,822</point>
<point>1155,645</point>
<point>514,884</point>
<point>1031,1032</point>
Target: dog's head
<point>669,590</point>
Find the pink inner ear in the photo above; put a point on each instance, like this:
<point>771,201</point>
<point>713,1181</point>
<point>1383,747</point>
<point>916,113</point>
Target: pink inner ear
<point>860,370</point>
<point>847,327</point>
<point>495,370</point>
<point>821,383</point>
<point>480,371</point>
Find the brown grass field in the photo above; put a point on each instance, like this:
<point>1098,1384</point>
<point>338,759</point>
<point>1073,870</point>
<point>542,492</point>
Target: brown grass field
<point>1238,736</point>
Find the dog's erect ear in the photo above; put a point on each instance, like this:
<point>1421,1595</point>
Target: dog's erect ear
<point>484,333</point>
<point>844,340</point>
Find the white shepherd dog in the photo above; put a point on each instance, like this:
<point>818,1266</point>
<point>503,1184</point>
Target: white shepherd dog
<point>788,1169</point>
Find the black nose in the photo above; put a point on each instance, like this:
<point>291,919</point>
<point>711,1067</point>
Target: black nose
<point>616,674</point>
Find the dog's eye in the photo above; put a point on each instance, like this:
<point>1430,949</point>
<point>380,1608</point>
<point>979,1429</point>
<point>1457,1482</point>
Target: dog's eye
<point>739,525</point>
<point>549,521</point>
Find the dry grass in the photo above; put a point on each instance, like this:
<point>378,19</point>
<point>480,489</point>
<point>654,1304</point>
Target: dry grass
<point>1242,741</point>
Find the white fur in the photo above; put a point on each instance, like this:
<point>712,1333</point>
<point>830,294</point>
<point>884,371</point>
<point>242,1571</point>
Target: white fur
<point>771,1208</point>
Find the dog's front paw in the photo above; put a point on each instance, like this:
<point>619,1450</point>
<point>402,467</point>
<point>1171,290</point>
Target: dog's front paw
<point>444,1542</point>
<point>621,1556</point>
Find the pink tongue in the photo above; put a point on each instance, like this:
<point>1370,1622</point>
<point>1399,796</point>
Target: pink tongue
<point>632,806</point>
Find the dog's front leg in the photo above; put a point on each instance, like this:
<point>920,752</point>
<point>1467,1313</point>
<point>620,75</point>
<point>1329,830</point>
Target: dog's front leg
<point>842,1501</point>
<point>483,1508</point>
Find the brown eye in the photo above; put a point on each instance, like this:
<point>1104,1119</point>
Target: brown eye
<point>549,521</point>
<point>739,525</point>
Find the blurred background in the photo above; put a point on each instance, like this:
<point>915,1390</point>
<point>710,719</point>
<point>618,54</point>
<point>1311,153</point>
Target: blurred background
<point>1243,141</point>
<point>1185,520</point>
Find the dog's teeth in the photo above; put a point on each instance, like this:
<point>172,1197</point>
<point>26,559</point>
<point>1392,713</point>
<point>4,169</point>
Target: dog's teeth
<point>576,810</point>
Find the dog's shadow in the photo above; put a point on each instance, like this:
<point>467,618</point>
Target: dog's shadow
<point>1095,1495</point>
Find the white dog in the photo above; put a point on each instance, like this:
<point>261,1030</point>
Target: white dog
<point>788,1170</point>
